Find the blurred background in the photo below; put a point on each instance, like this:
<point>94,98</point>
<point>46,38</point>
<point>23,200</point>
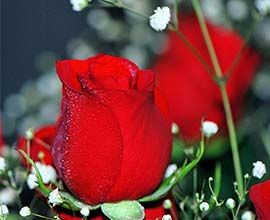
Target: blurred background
<point>36,33</point>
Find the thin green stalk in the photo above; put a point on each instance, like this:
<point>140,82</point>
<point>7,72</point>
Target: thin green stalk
<point>226,103</point>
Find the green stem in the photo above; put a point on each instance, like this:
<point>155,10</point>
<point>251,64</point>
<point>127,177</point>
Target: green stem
<point>225,98</point>
<point>41,216</point>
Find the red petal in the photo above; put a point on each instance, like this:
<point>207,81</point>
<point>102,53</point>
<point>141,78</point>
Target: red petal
<point>88,146</point>
<point>42,142</point>
<point>146,139</point>
<point>260,196</point>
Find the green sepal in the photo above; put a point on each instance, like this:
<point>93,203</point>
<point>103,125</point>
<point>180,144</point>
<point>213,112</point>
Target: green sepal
<point>125,210</point>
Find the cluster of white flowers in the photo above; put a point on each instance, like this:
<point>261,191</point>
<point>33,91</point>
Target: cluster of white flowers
<point>25,211</point>
<point>47,173</point>
<point>2,164</point>
<point>79,5</point>
<point>3,211</point>
<point>55,197</point>
<point>170,170</point>
<point>160,19</point>
<point>263,6</point>
<point>259,169</point>
<point>209,128</point>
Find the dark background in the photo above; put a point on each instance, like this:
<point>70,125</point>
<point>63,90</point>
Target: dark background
<point>28,28</point>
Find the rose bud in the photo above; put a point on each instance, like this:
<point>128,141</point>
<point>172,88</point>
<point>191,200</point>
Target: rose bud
<point>191,92</point>
<point>40,144</point>
<point>259,194</point>
<point>113,140</point>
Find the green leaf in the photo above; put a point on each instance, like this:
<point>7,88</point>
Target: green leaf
<point>125,210</point>
<point>177,176</point>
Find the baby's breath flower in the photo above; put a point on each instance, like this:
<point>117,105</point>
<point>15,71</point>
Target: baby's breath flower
<point>160,19</point>
<point>25,211</point>
<point>3,210</point>
<point>248,215</point>
<point>167,204</point>
<point>55,197</point>
<point>175,128</point>
<point>230,203</point>
<point>204,206</point>
<point>2,164</point>
<point>170,170</point>
<point>7,196</point>
<point>79,5</point>
<point>32,181</point>
<point>29,134</point>
<point>209,128</point>
<point>263,6</point>
<point>167,217</point>
<point>85,211</point>
<point>259,169</point>
<point>47,172</point>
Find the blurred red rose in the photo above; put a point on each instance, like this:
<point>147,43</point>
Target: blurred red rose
<point>41,143</point>
<point>153,211</point>
<point>113,140</point>
<point>259,194</point>
<point>189,89</point>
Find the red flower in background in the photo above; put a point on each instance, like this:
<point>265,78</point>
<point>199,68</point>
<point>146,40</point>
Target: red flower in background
<point>190,91</point>
<point>41,143</point>
<point>260,196</point>
<point>113,140</point>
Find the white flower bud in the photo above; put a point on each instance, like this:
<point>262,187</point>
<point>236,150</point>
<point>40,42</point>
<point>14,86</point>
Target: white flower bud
<point>175,128</point>
<point>32,181</point>
<point>204,206</point>
<point>167,204</point>
<point>79,5</point>
<point>248,215</point>
<point>55,197</point>
<point>209,128</point>
<point>259,169</point>
<point>230,203</point>
<point>29,134</point>
<point>85,211</point>
<point>3,210</point>
<point>25,211</point>
<point>160,19</point>
<point>167,217</point>
<point>2,164</point>
<point>170,170</point>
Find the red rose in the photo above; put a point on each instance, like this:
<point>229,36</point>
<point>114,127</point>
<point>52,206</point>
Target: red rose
<point>41,143</point>
<point>113,140</point>
<point>260,196</point>
<point>153,211</point>
<point>189,89</point>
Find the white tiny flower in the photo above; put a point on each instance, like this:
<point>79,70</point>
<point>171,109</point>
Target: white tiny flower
<point>85,211</point>
<point>160,19</point>
<point>55,197</point>
<point>7,196</point>
<point>175,128</point>
<point>209,128</point>
<point>167,204</point>
<point>79,5</point>
<point>3,210</point>
<point>47,172</point>
<point>167,217</point>
<point>248,215</point>
<point>2,164</point>
<point>230,203</point>
<point>25,211</point>
<point>29,134</point>
<point>170,170</point>
<point>259,169</point>
<point>263,6</point>
<point>204,206</point>
<point>246,176</point>
<point>32,181</point>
